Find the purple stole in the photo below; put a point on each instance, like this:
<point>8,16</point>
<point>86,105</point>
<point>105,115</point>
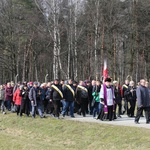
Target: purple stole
<point>105,98</point>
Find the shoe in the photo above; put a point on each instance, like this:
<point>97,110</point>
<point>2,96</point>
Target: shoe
<point>95,117</point>
<point>52,115</point>
<point>136,122</point>
<point>62,116</point>
<point>72,116</point>
<point>4,113</point>
<point>115,117</point>
<point>57,117</point>
<point>123,112</point>
<point>42,116</point>
<point>119,116</point>
<point>147,122</point>
<point>129,115</point>
<point>79,113</point>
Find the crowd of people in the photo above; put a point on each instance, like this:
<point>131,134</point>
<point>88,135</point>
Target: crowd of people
<point>104,101</point>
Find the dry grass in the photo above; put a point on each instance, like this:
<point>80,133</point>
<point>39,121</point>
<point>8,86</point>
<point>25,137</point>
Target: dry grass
<point>50,134</point>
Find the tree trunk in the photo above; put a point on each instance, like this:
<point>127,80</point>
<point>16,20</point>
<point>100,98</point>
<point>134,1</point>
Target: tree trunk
<point>75,43</point>
<point>55,50</point>
<point>114,66</point>
<point>96,37</point>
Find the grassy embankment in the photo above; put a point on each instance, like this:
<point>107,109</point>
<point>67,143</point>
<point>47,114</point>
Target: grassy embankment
<point>51,134</point>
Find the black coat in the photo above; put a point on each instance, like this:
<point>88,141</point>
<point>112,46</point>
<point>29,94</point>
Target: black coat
<point>79,97</point>
<point>143,98</point>
<point>68,96</point>
<point>124,88</point>
<point>118,95</point>
<point>131,95</point>
<point>90,90</point>
<point>54,95</point>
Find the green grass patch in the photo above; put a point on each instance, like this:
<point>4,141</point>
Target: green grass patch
<point>51,134</point>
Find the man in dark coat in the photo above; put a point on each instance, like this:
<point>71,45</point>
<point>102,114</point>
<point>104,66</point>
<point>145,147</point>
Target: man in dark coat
<point>124,88</point>
<point>69,98</point>
<point>143,101</point>
<point>82,97</point>
<point>25,102</point>
<point>56,96</point>
<point>36,100</point>
<point>90,86</point>
<point>131,98</point>
<point>118,98</point>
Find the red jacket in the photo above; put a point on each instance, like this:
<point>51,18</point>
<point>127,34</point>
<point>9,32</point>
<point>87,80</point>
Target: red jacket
<point>17,98</point>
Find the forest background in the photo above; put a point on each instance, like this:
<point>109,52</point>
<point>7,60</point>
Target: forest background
<point>46,39</point>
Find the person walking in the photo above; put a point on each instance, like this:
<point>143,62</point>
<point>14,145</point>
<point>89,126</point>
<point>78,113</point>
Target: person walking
<point>17,99</point>
<point>8,96</point>
<point>143,102</point>
<point>2,97</point>
<point>107,97</point>
<point>82,97</point>
<point>36,100</point>
<point>25,102</point>
<point>131,98</point>
<point>56,96</point>
<point>96,99</point>
<point>124,88</point>
<point>69,98</point>
<point>118,98</point>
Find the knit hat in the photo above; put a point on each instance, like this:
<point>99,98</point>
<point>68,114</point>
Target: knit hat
<point>108,80</point>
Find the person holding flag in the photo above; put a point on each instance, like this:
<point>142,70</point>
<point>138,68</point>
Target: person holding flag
<point>107,97</point>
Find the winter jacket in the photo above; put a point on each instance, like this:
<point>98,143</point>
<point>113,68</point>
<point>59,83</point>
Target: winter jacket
<point>90,91</point>
<point>81,94</point>
<point>118,95</point>
<point>131,96</point>
<point>35,95</point>
<point>43,94</point>
<point>17,98</point>
<point>68,96</point>
<point>54,95</point>
<point>24,93</point>
<point>143,98</point>
<point>124,88</point>
<point>9,93</point>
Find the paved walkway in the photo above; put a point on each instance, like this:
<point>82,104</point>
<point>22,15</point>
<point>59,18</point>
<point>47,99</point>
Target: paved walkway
<point>124,121</point>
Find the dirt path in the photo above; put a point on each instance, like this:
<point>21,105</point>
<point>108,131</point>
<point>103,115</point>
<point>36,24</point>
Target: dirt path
<point>124,121</point>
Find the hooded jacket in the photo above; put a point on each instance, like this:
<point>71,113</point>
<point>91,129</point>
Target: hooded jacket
<point>17,98</point>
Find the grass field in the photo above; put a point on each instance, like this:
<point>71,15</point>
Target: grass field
<point>50,134</point>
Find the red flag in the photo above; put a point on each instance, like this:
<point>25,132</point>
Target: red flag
<point>105,71</point>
